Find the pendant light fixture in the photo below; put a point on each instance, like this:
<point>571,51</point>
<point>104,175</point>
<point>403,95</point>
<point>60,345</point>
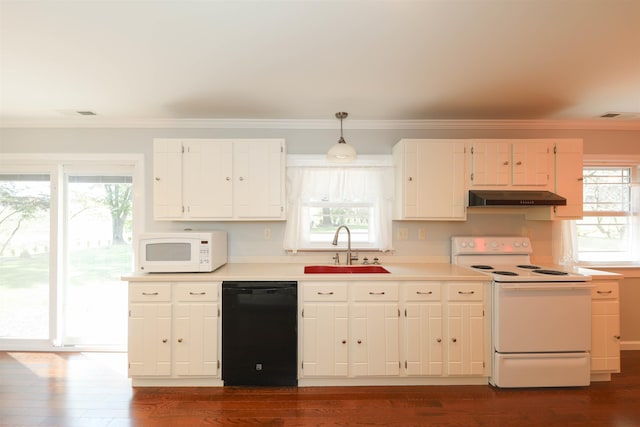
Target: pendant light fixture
<point>341,152</point>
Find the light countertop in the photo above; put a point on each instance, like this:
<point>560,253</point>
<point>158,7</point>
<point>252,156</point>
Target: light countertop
<point>291,271</point>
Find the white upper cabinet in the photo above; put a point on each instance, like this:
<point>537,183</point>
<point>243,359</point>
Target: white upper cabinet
<point>517,164</point>
<point>429,179</point>
<point>569,178</point>
<point>219,179</point>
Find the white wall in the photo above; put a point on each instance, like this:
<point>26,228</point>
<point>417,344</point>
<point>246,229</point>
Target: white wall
<point>246,239</point>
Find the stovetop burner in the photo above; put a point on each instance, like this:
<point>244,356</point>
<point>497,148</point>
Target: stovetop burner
<point>529,267</point>
<point>505,273</point>
<point>482,267</point>
<point>551,272</point>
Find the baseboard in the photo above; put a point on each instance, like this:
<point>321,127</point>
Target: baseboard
<point>630,345</point>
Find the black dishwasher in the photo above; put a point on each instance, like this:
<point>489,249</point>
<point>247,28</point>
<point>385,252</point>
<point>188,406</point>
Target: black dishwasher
<point>259,333</point>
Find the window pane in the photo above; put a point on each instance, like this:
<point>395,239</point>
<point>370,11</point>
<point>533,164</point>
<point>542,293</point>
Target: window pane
<point>99,252</point>
<point>325,221</point>
<point>24,256</point>
<point>605,233</point>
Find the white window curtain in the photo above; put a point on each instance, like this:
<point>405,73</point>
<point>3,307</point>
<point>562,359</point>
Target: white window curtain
<point>357,185</point>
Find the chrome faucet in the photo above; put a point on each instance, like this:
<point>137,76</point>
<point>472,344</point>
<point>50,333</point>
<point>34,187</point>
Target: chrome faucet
<point>335,242</point>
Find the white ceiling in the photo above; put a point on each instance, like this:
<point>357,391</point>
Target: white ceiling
<point>378,60</point>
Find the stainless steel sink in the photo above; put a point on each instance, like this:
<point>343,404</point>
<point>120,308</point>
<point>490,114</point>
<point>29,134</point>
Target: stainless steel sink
<point>345,269</point>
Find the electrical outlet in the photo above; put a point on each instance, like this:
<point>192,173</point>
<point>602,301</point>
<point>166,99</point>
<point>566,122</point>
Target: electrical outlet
<point>403,233</point>
<point>267,233</point>
<point>422,234</point>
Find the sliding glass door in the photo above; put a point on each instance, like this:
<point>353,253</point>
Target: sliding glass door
<point>97,252</point>
<point>25,262</point>
<point>66,229</point>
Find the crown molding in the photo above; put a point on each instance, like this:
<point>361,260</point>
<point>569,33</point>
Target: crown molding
<point>97,123</point>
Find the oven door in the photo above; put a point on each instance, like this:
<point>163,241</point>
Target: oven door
<point>542,317</point>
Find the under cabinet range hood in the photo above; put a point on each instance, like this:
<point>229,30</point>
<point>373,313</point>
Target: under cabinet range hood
<point>514,198</point>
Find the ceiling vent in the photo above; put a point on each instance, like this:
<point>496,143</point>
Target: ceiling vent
<point>620,115</point>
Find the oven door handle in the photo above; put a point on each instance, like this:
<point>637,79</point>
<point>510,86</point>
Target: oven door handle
<point>546,287</point>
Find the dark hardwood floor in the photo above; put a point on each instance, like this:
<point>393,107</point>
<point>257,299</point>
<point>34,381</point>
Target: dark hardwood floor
<point>88,389</point>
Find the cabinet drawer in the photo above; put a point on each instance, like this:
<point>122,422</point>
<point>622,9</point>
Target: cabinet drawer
<point>375,291</point>
<point>196,291</point>
<point>329,291</point>
<point>465,291</point>
<point>604,290</point>
<point>151,292</point>
<point>422,291</point>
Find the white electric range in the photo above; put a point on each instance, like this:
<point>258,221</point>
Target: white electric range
<point>541,332</point>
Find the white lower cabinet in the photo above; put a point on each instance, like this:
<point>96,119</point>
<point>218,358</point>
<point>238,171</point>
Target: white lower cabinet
<point>424,329</point>
<point>393,330</point>
<point>349,329</point>
<point>325,326</point>
<point>605,328</point>
<point>173,330</point>
<point>374,320</point>
<point>444,337</point>
<point>465,329</point>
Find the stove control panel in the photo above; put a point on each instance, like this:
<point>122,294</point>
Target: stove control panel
<point>490,244</point>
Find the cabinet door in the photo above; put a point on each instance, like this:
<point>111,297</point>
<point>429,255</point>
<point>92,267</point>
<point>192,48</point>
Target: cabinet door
<point>167,179</point>
<point>605,327</point>
<point>430,177</point>
<point>491,163</point>
<point>325,340</point>
<point>258,179</point>
<point>196,339</point>
<point>465,339</point>
<point>149,339</point>
<point>439,180</point>
<point>423,339</point>
<point>208,182</point>
<point>531,163</point>
<point>568,178</point>
<point>605,336</point>
<point>375,339</point>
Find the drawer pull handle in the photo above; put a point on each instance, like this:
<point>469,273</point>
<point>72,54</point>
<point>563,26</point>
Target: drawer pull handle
<point>148,294</point>
<point>424,293</point>
<point>605,292</point>
<point>197,293</point>
<point>325,293</point>
<point>376,293</point>
<point>466,293</point>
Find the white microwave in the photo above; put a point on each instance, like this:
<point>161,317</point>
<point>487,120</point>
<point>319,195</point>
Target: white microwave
<point>187,252</point>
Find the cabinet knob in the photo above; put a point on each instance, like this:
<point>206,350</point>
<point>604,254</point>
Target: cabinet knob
<point>454,339</point>
<point>506,163</point>
<point>179,339</point>
<point>410,178</point>
<point>359,341</point>
<point>617,337</point>
<point>157,178</point>
<point>344,341</point>
<point>164,340</point>
<point>438,339</point>
<point>228,178</point>
<point>241,178</point>
<point>518,163</point>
